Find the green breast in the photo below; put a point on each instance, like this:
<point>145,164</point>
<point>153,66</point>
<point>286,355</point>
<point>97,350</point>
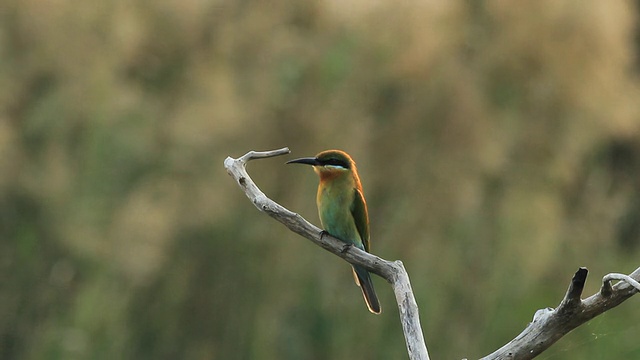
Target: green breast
<point>334,207</point>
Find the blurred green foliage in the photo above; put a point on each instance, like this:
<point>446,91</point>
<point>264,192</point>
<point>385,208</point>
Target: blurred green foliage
<point>498,143</point>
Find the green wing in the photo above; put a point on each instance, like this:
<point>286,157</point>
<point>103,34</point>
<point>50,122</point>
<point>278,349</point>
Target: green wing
<point>361,217</point>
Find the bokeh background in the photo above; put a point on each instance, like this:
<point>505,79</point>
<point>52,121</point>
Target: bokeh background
<point>498,143</point>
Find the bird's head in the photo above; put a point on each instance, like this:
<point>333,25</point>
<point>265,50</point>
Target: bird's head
<point>329,163</point>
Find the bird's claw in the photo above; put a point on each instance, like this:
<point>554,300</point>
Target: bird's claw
<point>345,247</point>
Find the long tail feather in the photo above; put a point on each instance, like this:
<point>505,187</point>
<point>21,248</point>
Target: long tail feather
<point>363,279</point>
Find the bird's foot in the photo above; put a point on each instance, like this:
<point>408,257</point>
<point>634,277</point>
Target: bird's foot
<point>323,233</point>
<point>346,248</point>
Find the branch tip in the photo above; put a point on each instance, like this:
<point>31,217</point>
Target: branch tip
<point>577,283</point>
<point>572,298</point>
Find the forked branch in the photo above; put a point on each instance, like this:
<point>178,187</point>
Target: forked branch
<point>549,325</point>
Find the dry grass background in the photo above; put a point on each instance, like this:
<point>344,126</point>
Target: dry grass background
<point>498,145</point>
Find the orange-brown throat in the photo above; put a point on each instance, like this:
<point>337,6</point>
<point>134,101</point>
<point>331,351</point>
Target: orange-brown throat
<point>328,174</point>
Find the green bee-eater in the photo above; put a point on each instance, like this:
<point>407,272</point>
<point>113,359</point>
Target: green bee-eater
<point>343,210</point>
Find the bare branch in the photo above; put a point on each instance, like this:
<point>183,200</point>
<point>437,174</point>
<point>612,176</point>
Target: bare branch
<point>549,325</point>
<point>392,271</point>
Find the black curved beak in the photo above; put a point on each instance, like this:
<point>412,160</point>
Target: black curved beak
<point>308,160</point>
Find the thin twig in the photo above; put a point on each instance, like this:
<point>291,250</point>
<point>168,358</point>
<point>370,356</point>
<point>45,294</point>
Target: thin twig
<point>621,277</point>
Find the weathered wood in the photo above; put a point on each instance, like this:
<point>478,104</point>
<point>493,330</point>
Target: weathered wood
<point>549,325</point>
<point>394,272</point>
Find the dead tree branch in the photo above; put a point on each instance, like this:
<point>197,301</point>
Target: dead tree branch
<point>392,271</point>
<point>549,325</point>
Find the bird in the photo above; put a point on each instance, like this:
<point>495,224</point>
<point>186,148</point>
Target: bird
<point>343,210</point>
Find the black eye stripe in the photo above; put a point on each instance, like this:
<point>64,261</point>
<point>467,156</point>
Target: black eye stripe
<point>336,162</point>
